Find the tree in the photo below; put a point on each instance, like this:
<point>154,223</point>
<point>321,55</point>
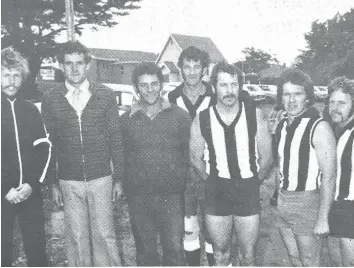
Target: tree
<point>255,60</point>
<point>330,49</point>
<point>31,26</point>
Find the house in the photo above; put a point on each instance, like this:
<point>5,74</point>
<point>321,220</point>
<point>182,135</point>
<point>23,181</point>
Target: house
<point>176,43</point>
<point>116,66</point>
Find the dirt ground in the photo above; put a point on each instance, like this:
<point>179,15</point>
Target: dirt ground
<point>270,248</point>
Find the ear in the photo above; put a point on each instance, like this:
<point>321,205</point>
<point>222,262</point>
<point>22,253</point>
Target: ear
<point>88,66</point>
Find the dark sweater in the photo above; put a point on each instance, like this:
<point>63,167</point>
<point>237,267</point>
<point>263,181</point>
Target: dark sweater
<point>101,134</point>
<point>156,151</point>
<point>33,156</point>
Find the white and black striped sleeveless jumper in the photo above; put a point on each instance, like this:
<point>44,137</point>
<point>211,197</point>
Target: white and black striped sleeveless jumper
<point>204,101</point>
<point>230,151</point>
<point>298,165</point>
<point>345,163</point>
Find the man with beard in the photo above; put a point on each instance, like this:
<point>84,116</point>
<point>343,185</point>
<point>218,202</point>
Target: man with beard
<point>230,146</point>
<point>341,216</point>
<point>156,136</point>
<point>25,155</point>
<point>307,170</point>
<point>194,95</point>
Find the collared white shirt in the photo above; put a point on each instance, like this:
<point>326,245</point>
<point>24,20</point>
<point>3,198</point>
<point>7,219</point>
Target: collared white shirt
<point>84,96</point>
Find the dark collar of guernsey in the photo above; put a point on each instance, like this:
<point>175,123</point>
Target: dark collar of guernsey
<point>310,112</point>
<point>348,126</point>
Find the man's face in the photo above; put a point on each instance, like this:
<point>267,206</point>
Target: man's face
<point>149,88</point>
<point>227,89</point>
<point>75,68</point>
<point>340,106</point>
<point>294,99</point>
<point>192,72</point>
<point>11,81</point>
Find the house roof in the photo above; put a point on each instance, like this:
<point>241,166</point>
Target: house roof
<point>122,55</point>
<point>273,71</point>
<point>170,65</point>
<point>204,43</point>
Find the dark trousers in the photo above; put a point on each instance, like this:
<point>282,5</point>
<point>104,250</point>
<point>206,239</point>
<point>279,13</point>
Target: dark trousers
<point>31,221</point>
<point>163,215</point>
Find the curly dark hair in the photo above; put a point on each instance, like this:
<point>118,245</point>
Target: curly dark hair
<point>224,67</point>
<point>146,68</point>
<point>195,54</point>
<point>73,48</point>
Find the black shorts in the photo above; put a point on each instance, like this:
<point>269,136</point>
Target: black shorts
<point>341,219</point>
<point>239,197</point>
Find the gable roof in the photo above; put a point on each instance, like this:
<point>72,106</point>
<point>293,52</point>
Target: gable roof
<point>170,65</point>
<point>122,55</point>
<point>204,43</point>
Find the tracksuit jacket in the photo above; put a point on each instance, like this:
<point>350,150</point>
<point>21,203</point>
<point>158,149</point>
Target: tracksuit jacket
<point>25,148</point>
<point>83,146</point>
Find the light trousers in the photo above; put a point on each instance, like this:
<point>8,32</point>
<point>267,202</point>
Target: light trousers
<point>89,224</point>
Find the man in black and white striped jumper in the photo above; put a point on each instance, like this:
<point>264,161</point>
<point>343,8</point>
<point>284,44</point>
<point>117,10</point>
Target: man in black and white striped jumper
<point>307,168</point>
<point>230,146</point>
<point>341,216</point>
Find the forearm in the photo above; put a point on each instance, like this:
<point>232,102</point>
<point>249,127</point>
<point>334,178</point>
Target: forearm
<point>326,198</point>
<point>265,166</point>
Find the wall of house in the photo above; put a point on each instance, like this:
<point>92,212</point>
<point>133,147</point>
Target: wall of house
<point>106,72</point>
<point>173,77</point>
<point>171,53</point>
<point>92,73</point>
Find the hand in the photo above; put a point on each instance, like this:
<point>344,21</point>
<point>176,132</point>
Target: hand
<point>13,196</point>
<point>117,191</point>
<point>321,229</point>
<point>57,196</point>
<point>24,191</point>
<point>274,118</point>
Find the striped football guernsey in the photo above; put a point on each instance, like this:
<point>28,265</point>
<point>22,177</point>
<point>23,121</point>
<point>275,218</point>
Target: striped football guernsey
<point>345,171</point>
<point>298,166</point>
<point>231,150</point>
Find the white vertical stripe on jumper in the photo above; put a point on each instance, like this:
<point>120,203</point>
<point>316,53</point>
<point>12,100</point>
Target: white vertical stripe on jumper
<point>12,103</point>
<point>242,145</point>
<point>295,154</point>
<point>218,138</point>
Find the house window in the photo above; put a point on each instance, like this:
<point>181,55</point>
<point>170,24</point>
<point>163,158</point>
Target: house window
<point>122,70</point>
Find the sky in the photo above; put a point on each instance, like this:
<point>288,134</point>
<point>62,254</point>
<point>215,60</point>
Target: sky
<point>275,26</point>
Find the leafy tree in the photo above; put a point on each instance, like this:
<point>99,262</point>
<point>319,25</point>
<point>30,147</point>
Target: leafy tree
<point>255,60</point>
<point>32,26</point>
<point>330,49</point>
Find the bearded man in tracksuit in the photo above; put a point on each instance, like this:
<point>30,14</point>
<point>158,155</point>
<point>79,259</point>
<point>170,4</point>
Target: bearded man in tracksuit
<point>25,157</point>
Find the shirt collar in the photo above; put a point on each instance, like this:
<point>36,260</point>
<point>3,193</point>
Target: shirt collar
<point>84,87</point>
<point>136,106</point>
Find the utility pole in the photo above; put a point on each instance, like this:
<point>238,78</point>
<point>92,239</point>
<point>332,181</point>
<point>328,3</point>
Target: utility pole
<point>69,15</point>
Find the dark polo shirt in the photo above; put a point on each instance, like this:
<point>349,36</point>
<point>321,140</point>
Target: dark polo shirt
<point>156,150</point>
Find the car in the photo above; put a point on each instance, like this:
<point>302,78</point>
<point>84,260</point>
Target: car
<point>321,93</point>
<point>125,96</point>
<point>256,93</point>
<point>270,91</point>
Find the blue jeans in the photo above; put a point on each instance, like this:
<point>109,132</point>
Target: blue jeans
<point>163,215</point>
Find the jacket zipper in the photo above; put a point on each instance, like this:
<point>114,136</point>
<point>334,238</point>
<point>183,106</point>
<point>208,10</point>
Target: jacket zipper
<point>82,145</point>
<point>12,103</point>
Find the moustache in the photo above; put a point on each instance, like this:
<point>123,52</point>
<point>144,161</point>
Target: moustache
<point>229,96</point>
